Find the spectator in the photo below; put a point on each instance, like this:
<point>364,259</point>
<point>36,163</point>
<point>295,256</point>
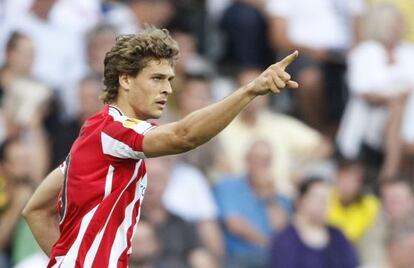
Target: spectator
<point>309,242</point>
<point>401,245</point>
<point>250,208</point>
<point>188,183</point>
<point>130,18</point>
<point>350,209</point>
<point>59,55</point>
<point>99,41</point>
<point>381,72</point>
<point>190,61</point>
<point>66,132</point>
<point>18,62</point>
<point>398,201</point>
<point>146,247</point>
<point>245,28</point>
<point>195,94</point>
<point>394,228</point>
<point>18,187</point>
<point>396,218</point>
<point>190,175</point>
<point>406,8</point>
<point>18,65</point>
<point>294,144</point>
<point>180,244</point>
<point>322,31</point>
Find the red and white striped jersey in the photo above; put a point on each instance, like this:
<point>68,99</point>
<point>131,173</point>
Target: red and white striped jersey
<point>105,181</point>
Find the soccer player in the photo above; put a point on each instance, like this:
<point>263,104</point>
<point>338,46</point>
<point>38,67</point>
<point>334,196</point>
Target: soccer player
<point>104,177</point>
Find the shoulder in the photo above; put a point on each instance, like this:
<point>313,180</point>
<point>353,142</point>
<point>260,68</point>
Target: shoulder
<point>229,182</point>
<point>117,120</point>
<point>336,234</point>
<point>286,236</point>
<point>370,201</point>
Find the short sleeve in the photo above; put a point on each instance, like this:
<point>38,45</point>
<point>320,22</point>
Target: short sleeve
<point>122,137</point>
<point>280,8</point>
<point>187,182</point>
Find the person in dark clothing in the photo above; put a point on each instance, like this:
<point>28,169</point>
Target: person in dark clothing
<point>309,242</point>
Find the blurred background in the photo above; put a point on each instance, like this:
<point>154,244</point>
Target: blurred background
<point>316,177</point>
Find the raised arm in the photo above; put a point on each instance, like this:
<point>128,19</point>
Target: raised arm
<point>202,125</point>
<point>41,212</point>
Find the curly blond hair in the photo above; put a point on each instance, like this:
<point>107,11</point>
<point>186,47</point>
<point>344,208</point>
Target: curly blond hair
<point>131,53</point>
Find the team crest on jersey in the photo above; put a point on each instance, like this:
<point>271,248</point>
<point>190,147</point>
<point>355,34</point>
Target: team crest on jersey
<point>130,123</point>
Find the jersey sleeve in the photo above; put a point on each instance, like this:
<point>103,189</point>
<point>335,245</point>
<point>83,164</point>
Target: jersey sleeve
<point>123,137</point>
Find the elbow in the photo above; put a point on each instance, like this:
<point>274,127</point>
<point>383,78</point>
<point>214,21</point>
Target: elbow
<point>26,212</point>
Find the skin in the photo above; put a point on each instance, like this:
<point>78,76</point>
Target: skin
<point>144,96</point>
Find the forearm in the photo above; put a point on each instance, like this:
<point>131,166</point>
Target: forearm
<point>246,231</point>
<point>45,229</point>
<point>41,213</point>
<point>211,236</point>
<point>202,125</point>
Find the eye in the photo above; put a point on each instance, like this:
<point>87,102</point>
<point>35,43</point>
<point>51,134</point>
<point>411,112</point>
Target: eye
<point>157,78</point>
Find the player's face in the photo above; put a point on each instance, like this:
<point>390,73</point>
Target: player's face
<point>149,90</point>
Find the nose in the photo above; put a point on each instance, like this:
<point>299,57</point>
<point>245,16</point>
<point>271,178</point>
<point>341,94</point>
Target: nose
<point>168,88</point>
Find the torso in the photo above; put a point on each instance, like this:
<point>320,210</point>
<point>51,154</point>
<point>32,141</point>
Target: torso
<point>103,189</point>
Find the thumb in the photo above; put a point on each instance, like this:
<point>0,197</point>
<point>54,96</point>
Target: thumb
<point>288,60</point>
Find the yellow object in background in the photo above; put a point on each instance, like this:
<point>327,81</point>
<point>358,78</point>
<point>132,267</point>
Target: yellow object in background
<point>406,8</point>
<point>355,219</point>
<point>4,197</point>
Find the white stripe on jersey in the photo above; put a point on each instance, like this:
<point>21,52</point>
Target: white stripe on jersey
<point>135,228</point>
<point>90,255</point>
<point>72,255</point>
<point>59,260</point>
<point>120,242</point>
<point>108,180</point>
<point>114,147</point>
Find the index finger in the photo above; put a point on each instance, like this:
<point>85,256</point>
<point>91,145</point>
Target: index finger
<point>288,60</point>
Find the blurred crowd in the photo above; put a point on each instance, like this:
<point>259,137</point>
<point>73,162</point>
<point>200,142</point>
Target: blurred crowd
<point>316,177</point>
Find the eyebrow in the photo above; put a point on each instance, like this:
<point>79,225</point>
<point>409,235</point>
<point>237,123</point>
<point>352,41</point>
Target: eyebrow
<point>170,77</point>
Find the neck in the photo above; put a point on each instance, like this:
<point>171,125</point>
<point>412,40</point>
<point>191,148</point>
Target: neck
<point>40,11</point>
<point>305,222</point>
<point>125,108</point>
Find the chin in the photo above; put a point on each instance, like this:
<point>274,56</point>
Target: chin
<point>156,115</point>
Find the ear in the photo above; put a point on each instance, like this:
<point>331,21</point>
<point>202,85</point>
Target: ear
<point>124,81</point>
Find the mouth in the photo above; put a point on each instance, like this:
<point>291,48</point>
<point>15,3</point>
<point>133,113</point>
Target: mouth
<point>162,103</point>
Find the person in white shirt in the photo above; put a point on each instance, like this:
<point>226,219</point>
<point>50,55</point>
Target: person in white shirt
<point>323,30</point>
<point>381,77</point>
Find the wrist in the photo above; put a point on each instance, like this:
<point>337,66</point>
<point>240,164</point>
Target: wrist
<point>249,91</point>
